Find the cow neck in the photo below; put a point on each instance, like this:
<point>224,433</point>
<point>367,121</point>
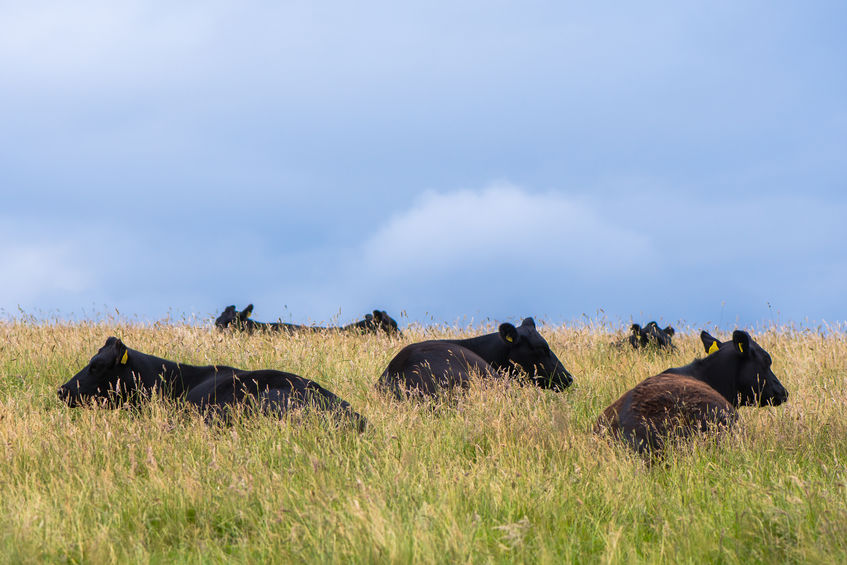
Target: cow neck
<point>709,371</point>
<point>360,325</point>
<point>175,379</point>
<point>490,347</point>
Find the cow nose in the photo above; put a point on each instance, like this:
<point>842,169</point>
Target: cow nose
<point>65,396</point>
<point>563,380</point>
<point>779,397</point>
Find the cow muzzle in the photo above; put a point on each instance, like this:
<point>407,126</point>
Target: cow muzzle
<point>66,396</point>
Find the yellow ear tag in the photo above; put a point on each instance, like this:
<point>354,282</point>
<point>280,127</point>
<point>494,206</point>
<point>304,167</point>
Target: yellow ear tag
<point>510,339</point>
<point>740,348</point>
<point>124,358</point>
<point>713,348</point>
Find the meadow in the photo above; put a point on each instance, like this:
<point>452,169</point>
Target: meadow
<point>504,473</point>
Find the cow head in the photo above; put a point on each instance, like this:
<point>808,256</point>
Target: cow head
<point>382,321</point>
<point>749,366</point>
<point>231,316</point>
<point>528,350</point>
<point>651,334</point>
<point>108,376</point>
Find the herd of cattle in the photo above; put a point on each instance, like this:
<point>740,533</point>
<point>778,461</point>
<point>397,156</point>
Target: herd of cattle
<point>678,403</point>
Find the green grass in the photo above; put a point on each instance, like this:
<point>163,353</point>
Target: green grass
<point>502,474</point>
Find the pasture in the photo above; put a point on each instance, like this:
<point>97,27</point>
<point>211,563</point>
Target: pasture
<point>504,473</point>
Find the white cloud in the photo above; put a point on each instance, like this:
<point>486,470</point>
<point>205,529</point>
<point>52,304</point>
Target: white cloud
<point>500,228</point>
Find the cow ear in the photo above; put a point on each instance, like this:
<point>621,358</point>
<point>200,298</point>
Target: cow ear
<point>528,322</point>
<point>669,330</point>
<point>121,353</point>
<point>509,333</point>
<point>741,340</point>
<point>246,312</point>
<point>709,343</point>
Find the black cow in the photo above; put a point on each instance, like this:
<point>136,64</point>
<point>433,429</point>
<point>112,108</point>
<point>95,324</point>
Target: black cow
<point>117,374</point>
<point>425,368</point>
<point>651,335</point>
<point>373,323</point>
<point>687,400</point>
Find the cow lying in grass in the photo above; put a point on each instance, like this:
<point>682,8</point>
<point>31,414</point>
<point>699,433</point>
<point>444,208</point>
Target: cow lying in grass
<point>687,400</point>
<point>425,368</point>
<point>651,335</point>
<point>373,323</point>
<point>117,374</point>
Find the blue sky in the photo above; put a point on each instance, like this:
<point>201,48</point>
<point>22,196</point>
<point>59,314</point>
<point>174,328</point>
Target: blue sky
<point>454,161</point>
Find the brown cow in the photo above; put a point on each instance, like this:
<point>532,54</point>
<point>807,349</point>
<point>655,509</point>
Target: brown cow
<point>687,400</point>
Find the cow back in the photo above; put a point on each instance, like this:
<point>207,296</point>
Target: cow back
<point>424,369</point>
<point>665,406</point>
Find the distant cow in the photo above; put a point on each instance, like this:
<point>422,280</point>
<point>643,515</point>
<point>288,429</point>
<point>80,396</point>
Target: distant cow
<point>373,323</point>
<point>651,335</point>
<point>117,374</point>
<point>425,368</point>
<point>687,400</point>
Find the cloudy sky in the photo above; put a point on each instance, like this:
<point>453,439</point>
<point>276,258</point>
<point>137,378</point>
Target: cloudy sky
<point>451,160</point>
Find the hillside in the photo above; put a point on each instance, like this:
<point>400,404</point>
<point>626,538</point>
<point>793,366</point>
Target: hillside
<point>504,473</point>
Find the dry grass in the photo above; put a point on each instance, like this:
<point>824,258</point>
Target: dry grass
<point>504,473</point>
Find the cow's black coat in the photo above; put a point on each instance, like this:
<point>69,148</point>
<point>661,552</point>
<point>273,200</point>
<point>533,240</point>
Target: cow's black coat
<point>378,321</point>
<point>427,367</point>
<point>651,335</point>
<point>686,400</point>
<point>117,374</point>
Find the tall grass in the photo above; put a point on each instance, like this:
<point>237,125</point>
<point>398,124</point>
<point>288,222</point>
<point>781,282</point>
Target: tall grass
<point>501,474</point>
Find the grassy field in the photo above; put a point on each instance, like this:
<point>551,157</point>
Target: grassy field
<point>502,474</point>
